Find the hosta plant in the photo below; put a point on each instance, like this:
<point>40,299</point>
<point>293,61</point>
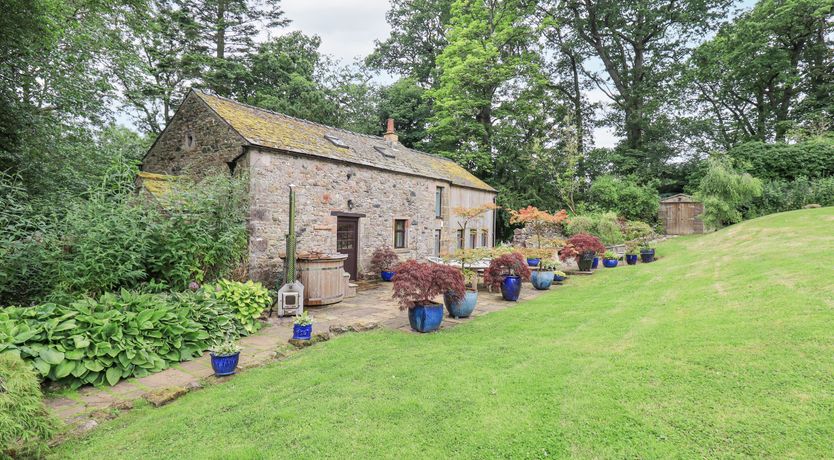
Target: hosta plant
<point>304,319</point>
<point>418,283</point>
<point>226,347</point>
<point>248,300</point>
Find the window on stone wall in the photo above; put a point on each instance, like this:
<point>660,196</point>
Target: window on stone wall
<point>438,202</point>
<point>484,238</point>
<point>437,237</point>
<point>189,141</point>
<point>473,238</point>
<point>399,233</point>
<point>461,239</point>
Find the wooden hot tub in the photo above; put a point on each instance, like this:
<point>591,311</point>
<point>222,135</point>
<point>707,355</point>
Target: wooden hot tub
<point>323,278</point>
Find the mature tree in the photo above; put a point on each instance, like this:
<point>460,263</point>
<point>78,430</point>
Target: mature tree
<point>639,44</point>
<point>418,36</point>
<point>164,60</point>
<point>768,71</point>
<point>407,103</point>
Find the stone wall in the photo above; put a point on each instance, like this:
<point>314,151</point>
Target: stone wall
<point>196,142</point>
<point>327,186</point>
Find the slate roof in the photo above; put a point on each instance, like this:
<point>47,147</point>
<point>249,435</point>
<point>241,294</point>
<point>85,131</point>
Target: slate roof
<point>277,131</point>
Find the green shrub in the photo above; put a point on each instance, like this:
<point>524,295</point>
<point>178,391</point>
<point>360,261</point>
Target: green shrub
<point>726,193</point>
<point>604,226</point>
<point>25,424</point>
<point>248,300</point>
<point>780,196</point>
<point>201,233</point>
<point>625,197</point>
<point>813,158</point>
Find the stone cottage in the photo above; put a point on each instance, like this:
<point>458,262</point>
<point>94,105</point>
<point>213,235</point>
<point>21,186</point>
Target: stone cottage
<point>355,192</point>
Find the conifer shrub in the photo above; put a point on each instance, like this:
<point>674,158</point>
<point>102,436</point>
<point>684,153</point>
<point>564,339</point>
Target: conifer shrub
<point>25,424</point>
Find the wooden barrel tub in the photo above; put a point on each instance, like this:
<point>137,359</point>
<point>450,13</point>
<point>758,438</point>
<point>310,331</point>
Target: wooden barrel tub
<point>323,278</point>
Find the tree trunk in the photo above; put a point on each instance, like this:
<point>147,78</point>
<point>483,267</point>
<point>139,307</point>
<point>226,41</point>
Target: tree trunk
<point>220,30</point>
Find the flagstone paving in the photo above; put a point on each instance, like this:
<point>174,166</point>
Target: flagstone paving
<point>372,307</point>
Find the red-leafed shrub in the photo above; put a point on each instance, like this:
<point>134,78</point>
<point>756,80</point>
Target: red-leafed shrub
<point>512,264</point>
<point>383,259</point>
<point>418,283</point>
<point>580,243</point>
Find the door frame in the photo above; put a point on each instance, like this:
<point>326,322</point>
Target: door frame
<point>353,270</point>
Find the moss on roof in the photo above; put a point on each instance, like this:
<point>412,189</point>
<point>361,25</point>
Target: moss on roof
<point>159,185</point>
<point>273,130</point>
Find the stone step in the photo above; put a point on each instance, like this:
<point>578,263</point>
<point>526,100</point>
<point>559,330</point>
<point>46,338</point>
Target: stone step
<point>351,290</point>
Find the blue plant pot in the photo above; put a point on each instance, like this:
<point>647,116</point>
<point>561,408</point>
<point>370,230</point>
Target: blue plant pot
<point>631,259</point>
<point>461,308</point>
<point>425,318</point>
<point>558,279</point>
<point>533,262</point>
<point>595,263</point>
<point>586,261</point>
<point>302,332</point>
<point>609,263</point>
<point>541,280</point>
<point>511,288</point>
<point>386,276</point>
<point>647,255</point>
<point>224,365</point>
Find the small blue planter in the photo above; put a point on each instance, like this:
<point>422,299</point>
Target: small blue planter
<point>461,308</point>
<point>542,280</point>
<point>302,332</point>
<point>609,263</point>
<point>425,318</point>
<point>224,365</point>
<point>386,276</point>
<point>511,288</point>
<point>533,262</point>
<point>631,259</point>
<point>595,263</point>
<point>558,278</point>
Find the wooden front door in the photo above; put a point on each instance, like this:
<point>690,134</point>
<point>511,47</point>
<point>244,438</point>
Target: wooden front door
<point>347,242</point>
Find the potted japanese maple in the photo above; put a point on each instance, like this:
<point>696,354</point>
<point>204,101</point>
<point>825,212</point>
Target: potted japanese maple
<point>542,277</point>
<point>540,223</point>
<point>382,262</point>
<point>610,259</point>
<point>416,284</point>
<point>302,327</point>
<point>583,248</point>
<point>506,272</point>
<point>224,357</point>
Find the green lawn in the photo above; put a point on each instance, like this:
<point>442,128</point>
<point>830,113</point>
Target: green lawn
<point>724,347</point>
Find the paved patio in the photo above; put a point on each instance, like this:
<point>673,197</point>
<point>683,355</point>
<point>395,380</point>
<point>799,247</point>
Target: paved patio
<point>372,307</point>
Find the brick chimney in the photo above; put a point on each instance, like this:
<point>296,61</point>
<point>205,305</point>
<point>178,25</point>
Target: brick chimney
<point>390,135</point>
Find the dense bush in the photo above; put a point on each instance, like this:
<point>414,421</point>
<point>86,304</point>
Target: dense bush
<point>779,196</point>
<point>113,238</point>
<point>383,259</point>
<point>418,283</point>
<point>25,424</point>
<point>606,226</point>
<point>625,197</point>
<point>813,158</point>
<point>128,334</point>
<point>726,193</point>
<point>508,264</point>
<point>578,244</point>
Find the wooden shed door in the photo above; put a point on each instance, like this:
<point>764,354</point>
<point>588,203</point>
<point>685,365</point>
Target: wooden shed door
<point>347,242</point>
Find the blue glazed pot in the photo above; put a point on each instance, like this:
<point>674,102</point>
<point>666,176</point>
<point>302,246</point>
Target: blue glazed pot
<point>609,263</point>
<point>541,280</point>
<point>511,288</point>
<point>461,308</point>
<point>558,279</point>
<point>534,262</point>
<point>302,332</point>
<point>386,276</point>
<point>425,318</point>
<point>647,255</point>
<point>224,365</point>
<point>631,259</point>
<point>595,263</point>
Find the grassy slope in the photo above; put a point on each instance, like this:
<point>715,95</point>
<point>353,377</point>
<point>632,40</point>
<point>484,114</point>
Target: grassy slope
<point>722,348</point>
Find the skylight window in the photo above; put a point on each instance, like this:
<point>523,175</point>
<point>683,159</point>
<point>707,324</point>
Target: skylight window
<point>338,142</point>
<point>388,153</point>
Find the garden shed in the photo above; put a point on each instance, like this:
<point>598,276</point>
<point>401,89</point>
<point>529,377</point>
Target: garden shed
<point>681,215</point>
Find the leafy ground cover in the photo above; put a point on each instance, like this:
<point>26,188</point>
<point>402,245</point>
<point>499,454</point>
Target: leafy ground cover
<point>722,348</point>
